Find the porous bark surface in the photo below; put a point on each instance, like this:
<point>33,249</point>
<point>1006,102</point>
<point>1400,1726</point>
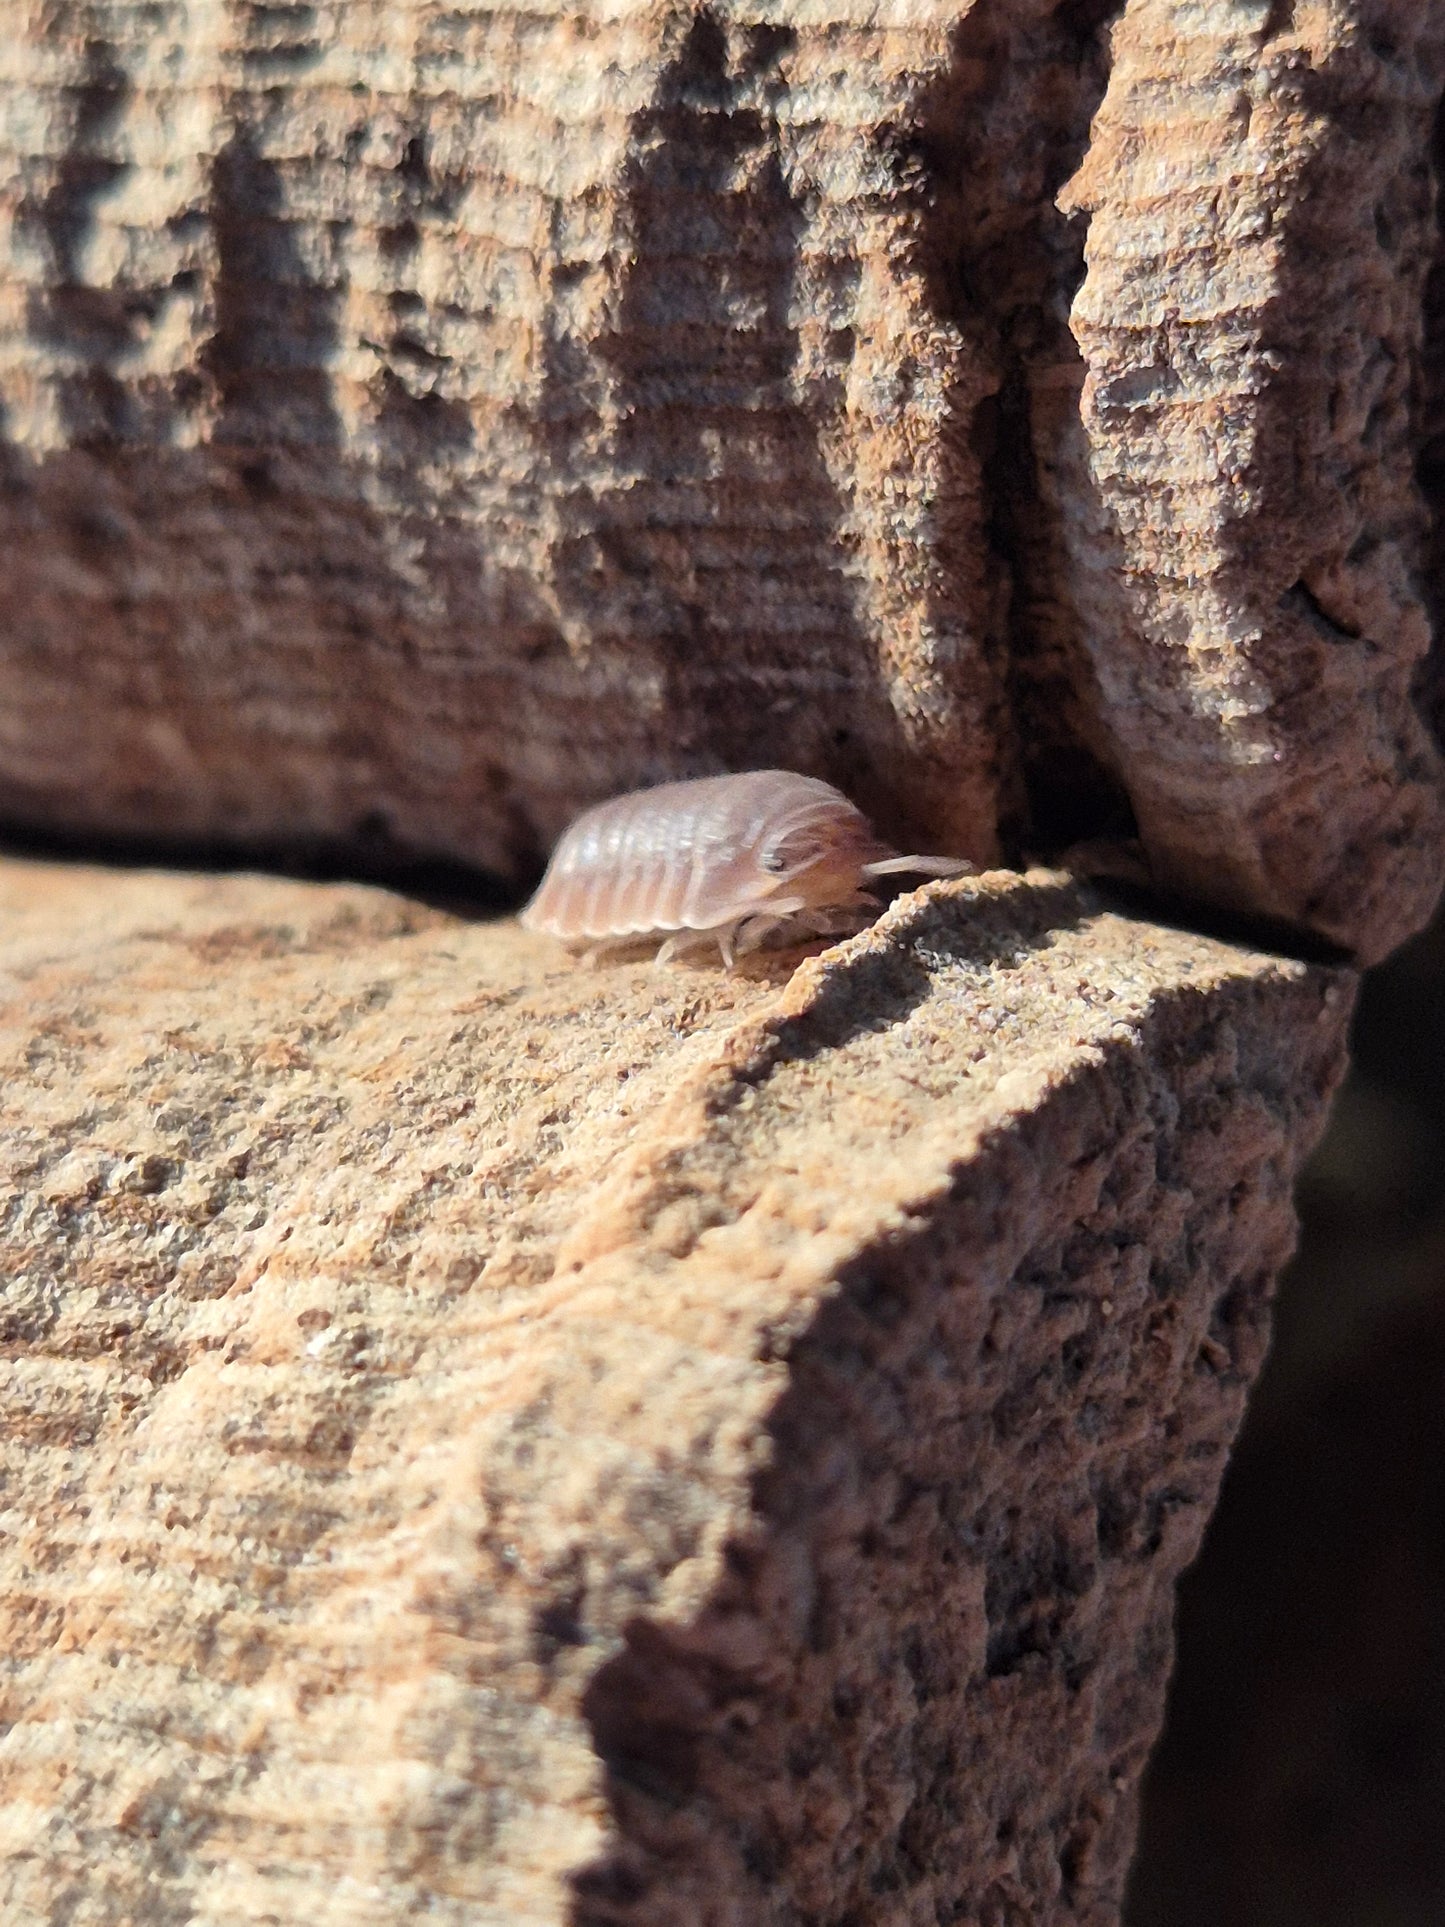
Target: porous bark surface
<point>419,422</point>
<point>509,1442</point>
<point>501,1442</point>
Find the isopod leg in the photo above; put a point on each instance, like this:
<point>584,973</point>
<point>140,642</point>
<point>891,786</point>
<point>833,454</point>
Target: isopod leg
<point>681,941</point>
<point>837,920</point>
<point>754,933</point>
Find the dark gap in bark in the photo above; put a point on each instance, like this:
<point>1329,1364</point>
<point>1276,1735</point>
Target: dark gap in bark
<point>997,139</point>
<point>370,853</point>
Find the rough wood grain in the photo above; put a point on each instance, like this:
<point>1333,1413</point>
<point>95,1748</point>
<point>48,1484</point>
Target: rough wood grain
<point>493,1440</point>
<point>1241,511</point>
<point>421,421</point>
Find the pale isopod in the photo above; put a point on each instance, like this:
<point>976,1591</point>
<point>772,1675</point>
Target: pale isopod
<point>723,859</point>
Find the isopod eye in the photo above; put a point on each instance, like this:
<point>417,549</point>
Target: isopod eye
<point>775,861</point>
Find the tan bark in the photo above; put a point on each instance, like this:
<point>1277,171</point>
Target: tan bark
<point>506,1441</point>
<point>423,421</point>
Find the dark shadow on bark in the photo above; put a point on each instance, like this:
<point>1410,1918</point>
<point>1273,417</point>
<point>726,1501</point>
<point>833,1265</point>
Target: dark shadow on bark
<point>956,1579</point>
<point>368,853</point>
<point>276,328</point>
<point>91,327</point>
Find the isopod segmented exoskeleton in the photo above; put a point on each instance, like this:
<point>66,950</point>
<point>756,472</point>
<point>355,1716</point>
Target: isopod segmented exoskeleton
<point>723,859</point>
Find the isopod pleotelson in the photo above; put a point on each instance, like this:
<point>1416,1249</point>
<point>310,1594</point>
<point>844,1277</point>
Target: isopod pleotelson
<point>725,859</point>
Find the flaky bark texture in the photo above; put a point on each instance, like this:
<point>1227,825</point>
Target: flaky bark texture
<point>509,1444</point>
<point>422,421</point>
<point>500,1441</point>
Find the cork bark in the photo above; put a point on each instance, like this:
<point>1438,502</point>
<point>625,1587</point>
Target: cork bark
<point>418,423</point>
<point>505,1441</point>
<point>501,1442</point>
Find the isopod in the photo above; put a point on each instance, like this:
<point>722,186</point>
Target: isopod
<point>723,859</point>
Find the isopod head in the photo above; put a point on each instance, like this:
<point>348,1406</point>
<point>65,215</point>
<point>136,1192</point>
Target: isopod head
<point>819,850</point>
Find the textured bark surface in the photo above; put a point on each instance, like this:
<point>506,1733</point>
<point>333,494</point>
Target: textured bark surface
<point>1257,256</point>
<point>419,422</point>
<point>495,1439</point>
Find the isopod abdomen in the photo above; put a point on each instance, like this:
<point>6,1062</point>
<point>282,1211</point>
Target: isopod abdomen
<point>722,859</point>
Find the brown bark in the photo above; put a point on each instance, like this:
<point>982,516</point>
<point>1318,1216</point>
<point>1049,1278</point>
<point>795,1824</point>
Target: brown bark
<point>420,423</point>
